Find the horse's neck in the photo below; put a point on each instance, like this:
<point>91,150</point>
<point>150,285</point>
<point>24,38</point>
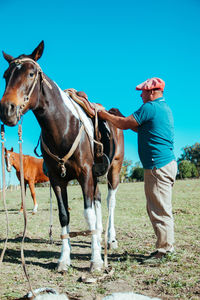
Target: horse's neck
<point>53,116</point>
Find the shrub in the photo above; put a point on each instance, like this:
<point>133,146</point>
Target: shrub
<point>187,169</point>
<point>138,174</point>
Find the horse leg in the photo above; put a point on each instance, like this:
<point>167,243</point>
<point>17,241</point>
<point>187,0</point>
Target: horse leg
<point>113,182</point>
<point>25,186</point>
<point>97,206</point>
<point>32,190</point>
<point>87,184</point>
<point>61,195</point>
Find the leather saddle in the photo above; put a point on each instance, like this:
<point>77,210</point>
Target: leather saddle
<point>101,160</point>
<point>82,99</point>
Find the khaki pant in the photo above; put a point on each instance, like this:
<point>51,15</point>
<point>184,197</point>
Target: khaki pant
<point>158,185</point>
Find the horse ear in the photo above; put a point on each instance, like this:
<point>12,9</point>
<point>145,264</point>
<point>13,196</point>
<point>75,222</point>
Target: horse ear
<point>37,53</point>
<point>11,149</point>
<point>7,57</point>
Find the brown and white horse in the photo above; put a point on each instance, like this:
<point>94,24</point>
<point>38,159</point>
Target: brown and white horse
<point>62,122</point>
<point>33,172</point>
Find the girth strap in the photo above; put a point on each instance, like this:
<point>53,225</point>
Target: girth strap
<point>63,160</point>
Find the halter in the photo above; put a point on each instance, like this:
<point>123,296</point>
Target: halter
<point>18,62</point>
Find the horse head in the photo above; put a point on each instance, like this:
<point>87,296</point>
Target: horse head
<point>9,158</point>
<point>22,78</point>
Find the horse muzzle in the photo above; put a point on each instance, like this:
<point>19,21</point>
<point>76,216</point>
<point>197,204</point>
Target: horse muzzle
<point>9,113</point>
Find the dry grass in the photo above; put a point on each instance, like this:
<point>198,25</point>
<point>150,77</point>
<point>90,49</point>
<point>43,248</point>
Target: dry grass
<point>177,277</point>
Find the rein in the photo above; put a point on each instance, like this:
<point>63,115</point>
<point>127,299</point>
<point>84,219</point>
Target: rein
<point>24,206</point>
<point>4,189</point>
<point>23,199</point>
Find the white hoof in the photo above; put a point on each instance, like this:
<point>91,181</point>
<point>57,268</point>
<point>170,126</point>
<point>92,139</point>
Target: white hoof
<point>35,209</point>
<point>113,245</point>
<point>96,266</point>
<point>62,267</point>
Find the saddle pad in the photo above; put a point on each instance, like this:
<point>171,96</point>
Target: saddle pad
<point>86,121</point>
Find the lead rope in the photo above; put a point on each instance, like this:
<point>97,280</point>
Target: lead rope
<point>51,216</point>
<point>106,233</point>
<point>109,212</point>
<point>24,205</point>
<point>4,189</point>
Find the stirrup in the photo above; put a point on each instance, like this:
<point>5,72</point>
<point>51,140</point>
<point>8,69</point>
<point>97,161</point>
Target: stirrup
<point>101,165</point>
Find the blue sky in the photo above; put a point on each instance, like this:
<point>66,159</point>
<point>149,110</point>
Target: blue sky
<point>106,48</point>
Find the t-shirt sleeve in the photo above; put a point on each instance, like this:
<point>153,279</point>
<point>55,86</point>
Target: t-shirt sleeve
<point>144,113</point>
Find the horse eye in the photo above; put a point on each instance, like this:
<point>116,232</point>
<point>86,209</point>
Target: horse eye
<point>31,74</point>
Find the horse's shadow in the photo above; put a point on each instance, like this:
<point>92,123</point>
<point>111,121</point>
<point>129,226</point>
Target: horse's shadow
<point>13,256</point>
<point>18,239</point>
<point>122,257</point>
<point>12,210</point>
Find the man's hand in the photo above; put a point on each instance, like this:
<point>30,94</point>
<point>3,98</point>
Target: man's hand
<point>118,120</point>
<point>115,112</point>
<point>102,114</point>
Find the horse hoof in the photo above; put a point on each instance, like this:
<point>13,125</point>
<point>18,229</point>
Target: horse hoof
<point>96,266</point>
<point>113,245</point>
<point>62,267</point>
<point>35,209</point>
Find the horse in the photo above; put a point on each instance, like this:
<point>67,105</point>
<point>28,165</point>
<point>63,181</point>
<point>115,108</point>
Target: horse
<point>67,145</point>
<point>33,172</point>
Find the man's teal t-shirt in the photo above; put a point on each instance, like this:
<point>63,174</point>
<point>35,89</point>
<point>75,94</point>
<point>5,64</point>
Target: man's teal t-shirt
<point>155,134</point>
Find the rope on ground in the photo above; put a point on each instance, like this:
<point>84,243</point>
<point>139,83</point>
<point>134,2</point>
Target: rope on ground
<point>24,205</point>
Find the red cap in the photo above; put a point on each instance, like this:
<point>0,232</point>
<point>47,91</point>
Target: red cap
<point>150,84</point>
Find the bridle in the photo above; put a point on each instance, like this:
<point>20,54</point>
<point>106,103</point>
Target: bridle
<point>19,62</point>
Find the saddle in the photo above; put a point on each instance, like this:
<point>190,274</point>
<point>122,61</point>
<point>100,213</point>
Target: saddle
<point>101,161</point>
<point>82,99</point>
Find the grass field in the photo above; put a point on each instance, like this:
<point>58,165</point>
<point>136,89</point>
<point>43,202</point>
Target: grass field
<point>177,277</point>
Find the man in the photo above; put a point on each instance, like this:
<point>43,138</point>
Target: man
<point>153,122</point>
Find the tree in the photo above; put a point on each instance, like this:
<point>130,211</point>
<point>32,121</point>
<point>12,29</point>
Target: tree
<point>192,154</point>
<point>125,169</point>
<point>187,169</point>
<point>138,174</point>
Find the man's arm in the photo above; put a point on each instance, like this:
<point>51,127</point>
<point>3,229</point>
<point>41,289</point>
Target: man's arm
<point>117,119</point>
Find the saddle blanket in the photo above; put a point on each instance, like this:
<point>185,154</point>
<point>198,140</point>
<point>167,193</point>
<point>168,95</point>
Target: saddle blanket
<point>78,112</point>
